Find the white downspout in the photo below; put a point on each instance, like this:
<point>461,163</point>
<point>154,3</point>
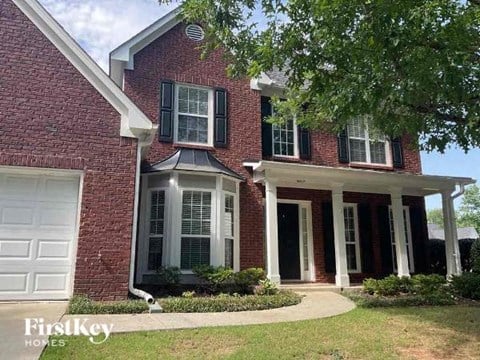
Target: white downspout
<point>131,281</point>
<point>459,192</point>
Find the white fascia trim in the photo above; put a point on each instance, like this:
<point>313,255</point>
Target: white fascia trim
<point>122,57</point>
<point>261,82</point>
<point>133,121</point>
<point>435,183</point>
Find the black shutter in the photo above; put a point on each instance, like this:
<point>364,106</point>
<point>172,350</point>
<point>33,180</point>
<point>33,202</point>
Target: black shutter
<point>304,143</point>
<point>397,153</point>
<point>385,239</point>
<point>167,103</point>
<point>366,246</point>
<point>328,237</point>
<point>419,238</point>
<point>343,150</point>
<point>221,121</point>
<point>266,108</point>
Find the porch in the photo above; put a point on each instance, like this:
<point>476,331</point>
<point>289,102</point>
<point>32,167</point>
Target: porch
<point>284,222</point>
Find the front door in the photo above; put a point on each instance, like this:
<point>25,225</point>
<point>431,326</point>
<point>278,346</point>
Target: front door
<point>288,242</point>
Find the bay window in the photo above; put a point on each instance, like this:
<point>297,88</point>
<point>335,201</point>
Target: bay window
<point>229,229</point>
<point>156,226</point>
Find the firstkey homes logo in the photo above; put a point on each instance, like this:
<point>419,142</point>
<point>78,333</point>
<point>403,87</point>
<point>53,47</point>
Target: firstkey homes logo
<point>36,328</point>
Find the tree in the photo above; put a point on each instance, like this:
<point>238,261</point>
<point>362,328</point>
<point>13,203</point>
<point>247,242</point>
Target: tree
<point>410,67</point>
<point>435,216</point>
<point>469,212</point>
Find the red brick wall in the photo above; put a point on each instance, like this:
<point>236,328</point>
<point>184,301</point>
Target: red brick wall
<point>51,117</point>
<point>174,57</point>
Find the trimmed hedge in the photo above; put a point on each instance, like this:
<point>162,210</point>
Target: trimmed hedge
<point>80,304</point>
<point>371,301</point>
<point>467,285</point>
<point>229,303</point>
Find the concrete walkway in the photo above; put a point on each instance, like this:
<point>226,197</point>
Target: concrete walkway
<point>14,344</point>
<point>314,306</point>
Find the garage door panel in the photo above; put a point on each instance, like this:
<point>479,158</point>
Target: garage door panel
<point>48,282</point>
<point>15,248</point>
<point>38,218</point>
<point>53,249</point>
<point>14,283</point>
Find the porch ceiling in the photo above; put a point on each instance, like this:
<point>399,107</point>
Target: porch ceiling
<point>354,180</point>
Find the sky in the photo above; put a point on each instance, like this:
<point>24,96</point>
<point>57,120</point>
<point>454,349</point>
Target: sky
<point>99,26</point>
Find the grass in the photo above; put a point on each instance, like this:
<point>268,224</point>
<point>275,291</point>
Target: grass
<point>451,332</point>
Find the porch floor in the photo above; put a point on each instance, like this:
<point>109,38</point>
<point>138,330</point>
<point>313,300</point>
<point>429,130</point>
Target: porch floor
<point>312,286</point>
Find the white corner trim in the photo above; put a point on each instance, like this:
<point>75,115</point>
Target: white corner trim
<point>122,57</point>
<point>133,121</point>
<point>262,81</point>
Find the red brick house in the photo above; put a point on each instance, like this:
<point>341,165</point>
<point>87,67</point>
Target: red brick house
<point>93,198</point>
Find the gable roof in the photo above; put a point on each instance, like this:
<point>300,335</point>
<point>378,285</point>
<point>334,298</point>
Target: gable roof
<point>122,57</point>
<point>134,123</point>
<point>436,232</point>
<point>198,160</point>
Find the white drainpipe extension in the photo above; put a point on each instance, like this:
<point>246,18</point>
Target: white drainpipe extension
<point>131,281</point>
<point>459,192</point>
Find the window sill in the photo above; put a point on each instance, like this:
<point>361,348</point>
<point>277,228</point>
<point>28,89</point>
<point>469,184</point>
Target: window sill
<point>194,146</point>
<point>371,166</point>
<point>286,158</point>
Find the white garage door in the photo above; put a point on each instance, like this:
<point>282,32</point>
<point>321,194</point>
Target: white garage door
<point>38,220</point>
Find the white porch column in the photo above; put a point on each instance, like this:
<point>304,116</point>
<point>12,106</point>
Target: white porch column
<point>271,232</point>
<point>452,249</point>
<point>341,277</point>
<point>399,230</point>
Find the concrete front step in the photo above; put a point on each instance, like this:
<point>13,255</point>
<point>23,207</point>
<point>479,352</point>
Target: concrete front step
<point>307,287</point>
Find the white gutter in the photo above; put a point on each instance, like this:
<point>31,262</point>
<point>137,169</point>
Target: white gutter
<point>133,250</point>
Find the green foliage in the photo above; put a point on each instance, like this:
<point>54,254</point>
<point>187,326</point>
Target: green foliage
<point>188,294</point>
<point>169,275</point>
<point>230,303</point>
<point>435,216</point>
<point>428,284</point>
<point>469,212</point>
<point>80,304</point>
<point>369,301</point>
<point>467,285</point>
<point>389,286</point>
<point>475,256</point>
<point>411,66</point>
<point>218,279</point>
<point>265,287</point>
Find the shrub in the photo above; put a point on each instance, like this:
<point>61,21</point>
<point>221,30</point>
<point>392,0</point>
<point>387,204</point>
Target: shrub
<point>369,301</point>
<point>80,304</point>
<point>188,294</point>
<point>229,303</point>
<point>475,256</point>
<point>169,276</point>
<point>265,287</point>
<point>467,285</point>
<point>428,284</point>
<point>390,286</point>
<point>216,279</point>
<point>247,279</point>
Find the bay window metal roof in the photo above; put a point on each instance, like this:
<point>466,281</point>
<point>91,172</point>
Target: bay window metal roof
<point>197,160</point>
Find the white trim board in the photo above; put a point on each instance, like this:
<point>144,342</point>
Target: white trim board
<point>134,123</point>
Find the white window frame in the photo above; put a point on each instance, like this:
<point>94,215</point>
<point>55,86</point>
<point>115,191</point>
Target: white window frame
<point>368,157</point>
<point>295,141</point>
<point>354,206</point>
<point>213,224</point>
<point>235,232</point>
<point>408,238</point>
<point>210,115</point>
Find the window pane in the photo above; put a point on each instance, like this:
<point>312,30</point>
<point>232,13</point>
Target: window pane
<point>192,129</point>
<point>229,216</point>
<point>284,139</point>
<point>358,151</point>
<point>194,252</point>
<point>356,129</point>
<point>155,253</point>
<point>196,213</point>
<point>305,240</point>
<point>377,152</point>
<point>193,115</point>
<point>351,257</point>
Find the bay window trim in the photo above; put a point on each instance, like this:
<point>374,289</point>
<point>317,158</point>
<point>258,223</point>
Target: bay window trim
<point>210,116</point>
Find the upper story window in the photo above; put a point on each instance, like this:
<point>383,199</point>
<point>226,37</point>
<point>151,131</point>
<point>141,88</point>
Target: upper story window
<point>285,139</point>
<point>365,146</point>
<point>194,112</point>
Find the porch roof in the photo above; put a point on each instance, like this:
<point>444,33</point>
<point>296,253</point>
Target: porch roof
<point>354,180</point>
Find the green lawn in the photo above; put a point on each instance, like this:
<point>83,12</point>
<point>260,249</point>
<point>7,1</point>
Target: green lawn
<point>451,332</point>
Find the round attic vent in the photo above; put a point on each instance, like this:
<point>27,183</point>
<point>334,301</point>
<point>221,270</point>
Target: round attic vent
<point>195,32</point>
